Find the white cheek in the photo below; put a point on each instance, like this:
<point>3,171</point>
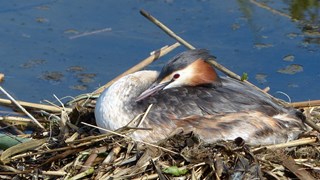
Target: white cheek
<point>181,81</point>
<point>174,84</point>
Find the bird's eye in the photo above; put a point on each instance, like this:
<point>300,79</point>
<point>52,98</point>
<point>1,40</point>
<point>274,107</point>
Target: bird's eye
<point>176,76</point>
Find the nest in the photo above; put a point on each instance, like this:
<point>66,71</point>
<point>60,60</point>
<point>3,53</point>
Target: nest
<point>64,145</point>
<point>72,150</point>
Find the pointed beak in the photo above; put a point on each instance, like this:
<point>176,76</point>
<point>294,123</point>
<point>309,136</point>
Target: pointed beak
<point>154,88</point>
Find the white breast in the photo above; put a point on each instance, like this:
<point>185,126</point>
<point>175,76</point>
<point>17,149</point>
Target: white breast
<point>111,110</point>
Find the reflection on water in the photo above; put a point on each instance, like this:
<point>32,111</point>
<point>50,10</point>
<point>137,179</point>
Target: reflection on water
<point>306,11</point>
<point>308,14</point>
<point>71,47</point>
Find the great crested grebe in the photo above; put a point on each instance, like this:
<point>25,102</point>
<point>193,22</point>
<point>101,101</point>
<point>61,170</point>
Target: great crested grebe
<point>189,94</point>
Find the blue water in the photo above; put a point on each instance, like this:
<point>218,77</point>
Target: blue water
<point>41,38</point>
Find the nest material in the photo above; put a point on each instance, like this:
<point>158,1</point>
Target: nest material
<point>71,150</point>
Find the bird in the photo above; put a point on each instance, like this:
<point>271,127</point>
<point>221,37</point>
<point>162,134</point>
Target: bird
<point>189,94</point>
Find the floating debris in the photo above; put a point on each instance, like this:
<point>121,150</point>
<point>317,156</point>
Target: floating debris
<point>42,20</point>
<point>1,77</point>
<point>288,58</point>
<point>261,78</point>
<point>32,63</point>
<point>293,85</point>
<point>86,77</point>
<point>43,7</point>
<point>235,26</point>
<point>71,31</point>
<point>81,87</point>
<point>262,45</point>
<point>292,35</point>
<point>291,69</point>
<point>75,69</point>
<point>52,76</point>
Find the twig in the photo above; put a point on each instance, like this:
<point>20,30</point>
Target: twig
<point>34,105</point>
<point>15,119</point>
<point>166,29</point>
<point>121,135</point>
<point>312,124</point>
<point>153,57</point>
<point>158,170</point>
<point>54,173</point>
<point>10,129</point>
<point>305,104</point>
<point>112,155</point>
<point>92,157</point>
<point>145,115</point>
<point>189,46</point>
<point>22,108</point>
<point>147,177</point>
<point>297,142</point>
<point>83,174</point>
<point>159,53</point>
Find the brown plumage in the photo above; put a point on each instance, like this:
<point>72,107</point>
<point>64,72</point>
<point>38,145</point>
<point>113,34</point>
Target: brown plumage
<point>189,94</point>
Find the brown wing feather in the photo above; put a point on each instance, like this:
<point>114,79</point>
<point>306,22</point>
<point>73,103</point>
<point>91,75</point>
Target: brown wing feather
<point>254,127</point>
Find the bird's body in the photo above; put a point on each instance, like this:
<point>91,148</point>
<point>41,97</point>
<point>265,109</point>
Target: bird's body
<point>190,96</point>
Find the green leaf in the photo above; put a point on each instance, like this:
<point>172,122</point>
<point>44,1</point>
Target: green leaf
<point>175,171</point>
<point>244,76</point>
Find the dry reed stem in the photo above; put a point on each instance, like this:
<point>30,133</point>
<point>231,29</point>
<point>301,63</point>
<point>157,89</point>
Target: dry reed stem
<point>20,156</point>
<point>92,157</point>
<point>304,104</point>
<point>212,61</point>
<point>34,105</point>
<point>54,173</point>
<point>153,57</point>
<point>15,119</point>
<point>189,46</point>
<point>83,174</point>
<point>22,108</point>
<point>145,115</point>
<point>266,89</point>
<point>147,177</point>
<point>125,136</point>
<point>10,128</point>
<point>166,29</point>
<point>158,170</point>
<point>112,155</point>
<point>88,141</point>
<point>297,142</point>
<point>312,124</point>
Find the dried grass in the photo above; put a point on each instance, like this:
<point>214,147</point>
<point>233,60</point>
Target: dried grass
<point>82,152</point>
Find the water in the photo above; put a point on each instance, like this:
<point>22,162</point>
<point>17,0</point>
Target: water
<point>46,47</point>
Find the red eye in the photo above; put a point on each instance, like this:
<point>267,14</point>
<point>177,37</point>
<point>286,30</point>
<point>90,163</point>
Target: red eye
<point>176,76</point>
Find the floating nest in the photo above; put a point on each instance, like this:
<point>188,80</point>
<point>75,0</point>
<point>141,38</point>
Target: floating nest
<point>70,149</point>
<point>68,146</point>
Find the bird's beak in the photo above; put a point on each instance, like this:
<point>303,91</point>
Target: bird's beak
<point>154,88</point>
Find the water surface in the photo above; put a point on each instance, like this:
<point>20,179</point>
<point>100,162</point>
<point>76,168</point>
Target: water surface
<point>72,47</point>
